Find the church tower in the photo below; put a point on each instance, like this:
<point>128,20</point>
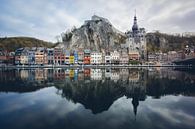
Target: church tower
<point>136,42</point>
<point>135,26</point>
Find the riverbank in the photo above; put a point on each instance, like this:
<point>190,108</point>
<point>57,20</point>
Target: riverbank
<point>89,66</point>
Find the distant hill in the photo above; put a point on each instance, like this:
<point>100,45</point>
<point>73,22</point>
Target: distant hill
<point>155,41</point>
<point>12,43</point>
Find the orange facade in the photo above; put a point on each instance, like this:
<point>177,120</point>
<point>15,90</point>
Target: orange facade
<point>87,72</point>
<point>134,56</point>
<point>87,60</point>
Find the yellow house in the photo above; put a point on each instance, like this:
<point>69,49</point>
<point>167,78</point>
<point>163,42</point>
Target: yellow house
<point>71,73</point>
<point>71,59</point>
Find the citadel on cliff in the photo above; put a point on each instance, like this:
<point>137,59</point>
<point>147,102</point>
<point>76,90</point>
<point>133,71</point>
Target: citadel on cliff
<point>98,35</point>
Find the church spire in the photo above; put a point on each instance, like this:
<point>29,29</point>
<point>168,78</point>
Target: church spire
<point>135,26</point>
<point>135,103</point>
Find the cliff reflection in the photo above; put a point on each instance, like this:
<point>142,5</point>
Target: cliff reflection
<point>98,89</point>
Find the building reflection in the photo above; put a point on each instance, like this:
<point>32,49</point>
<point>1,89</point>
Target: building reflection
<point>98,89</point>
<point>96,74</point>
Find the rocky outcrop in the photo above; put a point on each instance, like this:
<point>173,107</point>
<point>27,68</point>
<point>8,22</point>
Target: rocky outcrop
<point>165,42</point>
<point>156,40</point>
<point>96,34</point>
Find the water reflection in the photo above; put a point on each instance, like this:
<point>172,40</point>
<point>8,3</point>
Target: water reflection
<point>114,91</point>
<point>97,89</point>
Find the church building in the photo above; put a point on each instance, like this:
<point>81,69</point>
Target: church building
<point>136,42</point>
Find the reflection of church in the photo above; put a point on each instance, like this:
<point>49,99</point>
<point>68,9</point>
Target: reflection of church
<point>136,88</point>
<point>97,89</point>
<point>98,95</point>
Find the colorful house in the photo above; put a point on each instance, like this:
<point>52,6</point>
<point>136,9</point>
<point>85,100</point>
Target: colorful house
<point>87,73</point>
<point>134,55</point>
<point>71,58</point>
<point>17,56</point>
<point>10,58</point>
<point>107,58</point>
<point>41,56</point>
<point>31,56</point>
<point>87,58</point>
<point>71,74</point>
<point>75,57</point>
<point>124,58</point>
<point>3,57</point>
<point>80,74</point>
<point>115,57</point>
<point>63,57</point>
<point>96,58</point>
<point>50,56</point>
<point>57,56</point>
<point>96,74</point>
<point>24,56</point>
<point>67,56</point>
<point>80,57</point>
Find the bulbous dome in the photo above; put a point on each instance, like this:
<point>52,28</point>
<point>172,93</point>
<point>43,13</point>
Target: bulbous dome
<point>135,26</point>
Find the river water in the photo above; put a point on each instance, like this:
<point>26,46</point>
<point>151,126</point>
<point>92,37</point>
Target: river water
<point>136,98</point>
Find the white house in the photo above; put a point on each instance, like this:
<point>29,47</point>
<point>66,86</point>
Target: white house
<point>96,74</point>
<point>96,58</point>
<point>107,58</point>
<point>115,57</point>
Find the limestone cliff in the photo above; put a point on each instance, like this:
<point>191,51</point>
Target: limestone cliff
<point>95,34</point>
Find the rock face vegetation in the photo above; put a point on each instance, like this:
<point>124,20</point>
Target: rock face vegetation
<point>164,42</point>
<point>96,34</point>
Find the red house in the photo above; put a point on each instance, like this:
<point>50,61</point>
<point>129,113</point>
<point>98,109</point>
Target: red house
<point>87,58</point>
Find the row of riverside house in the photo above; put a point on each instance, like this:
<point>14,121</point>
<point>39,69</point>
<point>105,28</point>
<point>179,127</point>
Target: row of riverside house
<point>6,57</point>
<point>60,56</point>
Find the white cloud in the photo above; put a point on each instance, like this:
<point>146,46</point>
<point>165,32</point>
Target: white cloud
<point>45,19</point>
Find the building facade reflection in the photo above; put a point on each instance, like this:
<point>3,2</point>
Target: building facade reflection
<point>98,89</point>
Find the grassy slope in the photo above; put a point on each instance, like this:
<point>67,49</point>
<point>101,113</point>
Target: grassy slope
<point>12,43</point>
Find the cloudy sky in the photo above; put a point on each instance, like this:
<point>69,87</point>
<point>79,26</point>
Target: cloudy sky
<point>45,19</point>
